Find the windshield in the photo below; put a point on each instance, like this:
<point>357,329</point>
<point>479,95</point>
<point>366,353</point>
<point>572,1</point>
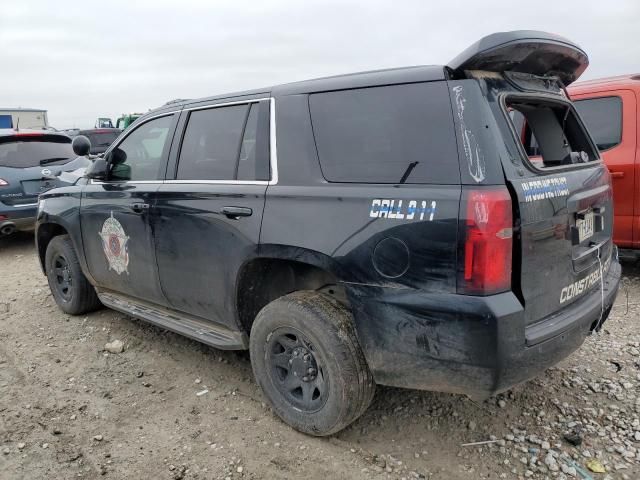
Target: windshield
<point>32,152</point>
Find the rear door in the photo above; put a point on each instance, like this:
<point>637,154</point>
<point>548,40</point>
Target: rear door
<point>611,119</point>
<point>116,214</point>
<point>210,207</point>
<point>564,204</point>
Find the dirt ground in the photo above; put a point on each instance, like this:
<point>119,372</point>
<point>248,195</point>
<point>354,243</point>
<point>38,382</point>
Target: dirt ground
<point>68,409</point>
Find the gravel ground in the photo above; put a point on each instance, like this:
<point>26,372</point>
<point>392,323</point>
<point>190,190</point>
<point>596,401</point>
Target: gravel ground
<point>170,408</point>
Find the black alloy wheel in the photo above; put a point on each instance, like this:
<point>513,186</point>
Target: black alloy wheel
<point>63,277</point>
<point>296,371</point>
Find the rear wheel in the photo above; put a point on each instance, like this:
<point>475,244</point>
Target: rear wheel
<point>70,288</point>
<point>307,360</point>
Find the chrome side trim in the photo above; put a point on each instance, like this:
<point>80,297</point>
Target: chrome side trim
<point>27,205</point>
<point>273,149</point>
<point>218,182</point>
<point>226,104</point>
<point>125,182</point>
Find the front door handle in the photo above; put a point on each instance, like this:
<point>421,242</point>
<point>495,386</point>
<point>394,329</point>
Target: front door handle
<point>616,174</point>
<point>139,207</point>
<point>236,212</point>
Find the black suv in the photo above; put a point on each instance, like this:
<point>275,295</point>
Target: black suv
<point>432,227</point>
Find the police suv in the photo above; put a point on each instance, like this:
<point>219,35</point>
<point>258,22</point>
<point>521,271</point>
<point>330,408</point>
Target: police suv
<point>433,227</point>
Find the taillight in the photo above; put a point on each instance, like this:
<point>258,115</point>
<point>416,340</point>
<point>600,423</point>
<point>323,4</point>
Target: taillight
<point>486,241</point>
<point>3,182</point>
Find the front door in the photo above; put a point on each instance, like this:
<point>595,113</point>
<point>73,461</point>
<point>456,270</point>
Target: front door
<point>116,214</point>
<point>210,212</point>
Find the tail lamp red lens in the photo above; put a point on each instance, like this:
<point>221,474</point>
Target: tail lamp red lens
<point>487,242</point>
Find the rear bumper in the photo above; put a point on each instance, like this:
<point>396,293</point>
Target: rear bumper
<point>477,346</point>
<point>21,217</point>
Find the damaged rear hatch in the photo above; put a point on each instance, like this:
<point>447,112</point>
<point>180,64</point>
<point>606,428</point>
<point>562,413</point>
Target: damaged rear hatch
<point>561,192</point>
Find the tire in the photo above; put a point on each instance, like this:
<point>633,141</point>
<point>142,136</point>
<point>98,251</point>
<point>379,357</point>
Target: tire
<point>70,288</point>
<point>336,386</point>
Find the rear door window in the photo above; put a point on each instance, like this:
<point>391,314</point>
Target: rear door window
<point>603,117</point>
<point>392,134</point>
<point>33,150</point>
<point>226,143</point>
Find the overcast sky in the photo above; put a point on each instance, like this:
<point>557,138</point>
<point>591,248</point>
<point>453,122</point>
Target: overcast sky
<point>84,59</point>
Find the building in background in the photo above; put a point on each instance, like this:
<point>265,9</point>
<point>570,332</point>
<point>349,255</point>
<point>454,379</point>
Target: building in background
<point>31,118</point>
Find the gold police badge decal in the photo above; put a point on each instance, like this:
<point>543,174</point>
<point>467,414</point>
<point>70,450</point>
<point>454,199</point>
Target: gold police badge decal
<point>114,244</point>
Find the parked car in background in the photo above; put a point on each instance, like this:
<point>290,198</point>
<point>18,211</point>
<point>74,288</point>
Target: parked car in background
<point>29,163</point>
<point>103,122</point>
<point>127,119</point>
<point>100,138</point>
<point>70,132</point>
<point>609,107</point>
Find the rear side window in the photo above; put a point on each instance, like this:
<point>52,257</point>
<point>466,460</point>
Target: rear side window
<point>392,134</point>
<point>32,151</point>
<point>550,132</point>
<point>226,143</point>
<point>603,117</point>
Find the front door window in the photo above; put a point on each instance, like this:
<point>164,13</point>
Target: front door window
<point>139,155</point>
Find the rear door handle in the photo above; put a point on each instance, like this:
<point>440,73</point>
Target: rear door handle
<point>616,174</point>
<point>236,212</point>
<point>139,207</point>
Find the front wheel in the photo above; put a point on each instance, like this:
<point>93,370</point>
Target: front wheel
<point>307,360</point>
<point>70,288</point>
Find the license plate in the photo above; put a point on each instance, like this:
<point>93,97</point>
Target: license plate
<point>585,226</point>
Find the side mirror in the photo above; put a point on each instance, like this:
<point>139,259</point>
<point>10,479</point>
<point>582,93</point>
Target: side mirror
<point>98,170</point>
<point>81,145</point>
<point>117,156</point>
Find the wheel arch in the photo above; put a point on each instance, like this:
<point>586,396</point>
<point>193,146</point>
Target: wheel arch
<point>44,234</point>
<point>281,270</point>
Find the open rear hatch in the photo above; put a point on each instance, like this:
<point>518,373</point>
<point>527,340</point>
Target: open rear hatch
<point>524,51</point>
<point>561,192</point>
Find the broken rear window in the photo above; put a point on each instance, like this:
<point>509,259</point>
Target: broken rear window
<point>550,132</point>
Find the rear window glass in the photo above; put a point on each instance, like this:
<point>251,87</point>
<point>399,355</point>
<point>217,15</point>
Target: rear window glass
<point>603,117</point>
<point>550,132</point>
<point>391,134</point>
<point>32,152</point>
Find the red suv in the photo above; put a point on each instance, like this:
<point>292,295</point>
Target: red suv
<point>609,108</point>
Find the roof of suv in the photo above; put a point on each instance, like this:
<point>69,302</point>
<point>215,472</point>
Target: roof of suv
<point>420,73</point>
<point>607,83</point>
